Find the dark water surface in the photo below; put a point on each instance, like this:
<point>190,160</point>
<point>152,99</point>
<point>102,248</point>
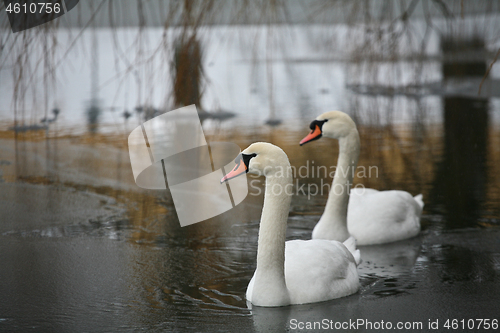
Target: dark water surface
<point>98,279</point>
<point>84,250</point>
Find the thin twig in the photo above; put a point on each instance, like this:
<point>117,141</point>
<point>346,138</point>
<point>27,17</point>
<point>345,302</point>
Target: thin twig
<point>487,72</point>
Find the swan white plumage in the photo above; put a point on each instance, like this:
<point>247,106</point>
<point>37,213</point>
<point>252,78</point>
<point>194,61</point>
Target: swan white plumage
<point>297,271</point>
<point>370,216</point>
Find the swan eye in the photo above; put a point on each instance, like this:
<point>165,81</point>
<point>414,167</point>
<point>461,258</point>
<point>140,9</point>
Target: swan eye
<point>246,159</point>
<point>318,123</point>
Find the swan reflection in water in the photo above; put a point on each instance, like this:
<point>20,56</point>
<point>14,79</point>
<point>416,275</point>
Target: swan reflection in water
<point>390,259</point>
<point>286,318</point>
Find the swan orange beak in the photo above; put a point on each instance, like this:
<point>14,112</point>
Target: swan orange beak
<point>238,170</point>
<point>314,135</point>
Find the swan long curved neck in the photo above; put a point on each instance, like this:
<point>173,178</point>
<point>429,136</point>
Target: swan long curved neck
<point>338,198</point>
<point>272,231</point>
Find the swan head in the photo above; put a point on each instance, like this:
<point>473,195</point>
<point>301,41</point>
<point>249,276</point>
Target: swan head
<point>260,158</point>
<point>332,124</point>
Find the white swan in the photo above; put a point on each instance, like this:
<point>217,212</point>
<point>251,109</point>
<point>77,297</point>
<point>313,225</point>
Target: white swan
<point>370,216</point>
<point>295,272</point>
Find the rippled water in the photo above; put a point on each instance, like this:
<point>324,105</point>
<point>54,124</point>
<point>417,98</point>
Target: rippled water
<point>97,278</point>
<point>83,249</point>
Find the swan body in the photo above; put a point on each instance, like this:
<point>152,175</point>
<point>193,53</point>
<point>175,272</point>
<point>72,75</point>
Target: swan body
<point>317,270</point>
<point>390,216</point>
<point>298,271</point>
<point>370,216</point>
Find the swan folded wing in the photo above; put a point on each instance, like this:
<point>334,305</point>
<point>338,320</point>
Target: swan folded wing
<point>419,199</point>
<point>409,212</point>
<point>392,205</point>
<point>382,217</point>
<point>386,205</point>
<point>350,244</point>
<point>319,270</point>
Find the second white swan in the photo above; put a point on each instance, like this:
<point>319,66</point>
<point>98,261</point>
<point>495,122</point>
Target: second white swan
<point>370,216</point>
